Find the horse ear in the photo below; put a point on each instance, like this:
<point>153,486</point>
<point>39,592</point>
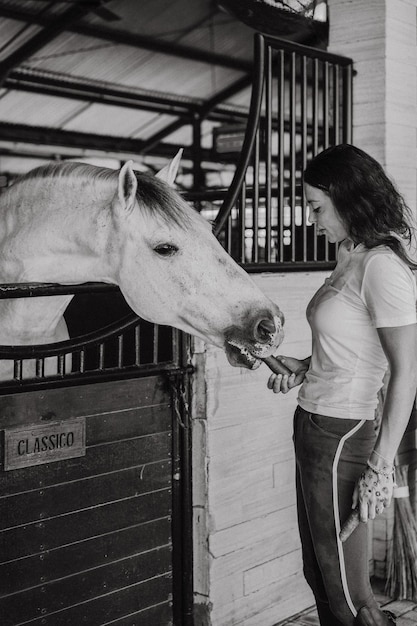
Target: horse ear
<point>127,187</point>
<point>169,172</point>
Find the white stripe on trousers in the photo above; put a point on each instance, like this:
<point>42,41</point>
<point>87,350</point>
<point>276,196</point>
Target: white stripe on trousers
<point>337,516</point>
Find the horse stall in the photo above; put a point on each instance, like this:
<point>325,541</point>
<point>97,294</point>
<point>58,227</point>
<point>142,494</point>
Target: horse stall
<point>95,493</point>
<point>144,481</point>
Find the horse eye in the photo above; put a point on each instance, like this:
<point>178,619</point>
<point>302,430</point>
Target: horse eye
<point>166,249</point>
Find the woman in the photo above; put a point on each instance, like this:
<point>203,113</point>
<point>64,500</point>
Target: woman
<point>363,320</point>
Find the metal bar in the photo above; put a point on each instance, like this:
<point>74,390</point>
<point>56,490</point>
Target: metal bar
<point>109,374</point>
<point>120,350</point>
<point>137,345</point>
<point>268,148</point>
<point>53,349</point>
<point>304,104</point>
<point>187,507</point>
<point>155,139</point>
<point>52,28</point>
<point>326,104</point>
<point>31,290</point>
<point>17,369</point>
<point>101,355</point>
<point>155,350</point>
<point>315,99</point>
<point>51,136</point>
<point>313,53</point>
<point>347,103</point>
<point>255,107</point>
<point>281,151</point>
<point>255,201</point>
<point>224,94</point>
<point>127,38</point>
<point>54,84</point>
<point>242,222</point>
<point>289,266</point>
<point>336,104</point>
<point>229,233</point>
<point>198,172</point>
<point>61,364</point>
<point>326,130</point>
<point>38,368</point>
<point>293,139</point>
<point>82,361</point>
<point>176,345</point>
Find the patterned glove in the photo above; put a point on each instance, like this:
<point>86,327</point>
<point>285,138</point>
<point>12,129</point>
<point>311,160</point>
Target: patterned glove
<point>373,491</point>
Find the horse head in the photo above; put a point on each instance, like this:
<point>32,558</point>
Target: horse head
<point>172,270</point>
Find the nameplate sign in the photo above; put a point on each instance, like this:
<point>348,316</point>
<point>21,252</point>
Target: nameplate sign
<point>56,441</point>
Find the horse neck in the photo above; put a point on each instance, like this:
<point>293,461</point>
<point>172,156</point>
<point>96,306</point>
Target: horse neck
<point>56,233</point>
<point>33,320</point>
<point>49,235</point>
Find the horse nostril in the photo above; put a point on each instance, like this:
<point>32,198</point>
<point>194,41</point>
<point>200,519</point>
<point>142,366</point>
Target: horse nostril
<point>264,329</point>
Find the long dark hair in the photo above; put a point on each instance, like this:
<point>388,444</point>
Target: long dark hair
<point>372,209</point>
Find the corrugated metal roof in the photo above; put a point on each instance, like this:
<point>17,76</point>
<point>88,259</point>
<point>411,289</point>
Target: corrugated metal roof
<point>85,75</point>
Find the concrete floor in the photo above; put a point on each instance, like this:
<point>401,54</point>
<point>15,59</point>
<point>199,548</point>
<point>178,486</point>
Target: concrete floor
<point>405,610</point>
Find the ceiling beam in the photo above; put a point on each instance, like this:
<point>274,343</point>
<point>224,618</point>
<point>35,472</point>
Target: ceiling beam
<point>203,112</point>
<point>54,84</point>
<point>41,135</point>
<point>150,143</point>
<point>52,28</point>
<point>225,94</point>
<point>127,38</point>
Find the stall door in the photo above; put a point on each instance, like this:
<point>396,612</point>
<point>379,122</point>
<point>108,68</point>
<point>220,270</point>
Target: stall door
<point>86,525</point>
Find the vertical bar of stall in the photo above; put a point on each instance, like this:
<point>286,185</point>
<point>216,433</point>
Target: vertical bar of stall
<point>120,351</point>
<point>242,222</point>
<point>347,103</point>
<point>293,148</point>
<point>137,345</point>
<point>281,148</point>
<point>155,347</point>
<point>326,129</point>
<point>336,104</point>
<point>315,133</point>
<point>101,351</point>
<point>17,369</point>
<point>268,154</point>
<point>255,201</point>
<point>304,102</point>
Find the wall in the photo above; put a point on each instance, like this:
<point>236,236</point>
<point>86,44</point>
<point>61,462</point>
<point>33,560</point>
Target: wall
<point>383,46</point>
<point>247,551</point>
<point>384,49</point>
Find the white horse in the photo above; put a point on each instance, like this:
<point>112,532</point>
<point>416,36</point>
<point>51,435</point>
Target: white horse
<point>72,223</point>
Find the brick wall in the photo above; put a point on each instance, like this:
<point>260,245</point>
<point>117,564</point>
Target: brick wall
<point>247,550</point>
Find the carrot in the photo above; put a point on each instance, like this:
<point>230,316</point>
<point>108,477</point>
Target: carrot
<point>349,526</point>
<point>276,366</point>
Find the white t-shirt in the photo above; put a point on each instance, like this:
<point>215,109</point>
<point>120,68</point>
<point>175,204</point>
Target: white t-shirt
<point>368,289</point>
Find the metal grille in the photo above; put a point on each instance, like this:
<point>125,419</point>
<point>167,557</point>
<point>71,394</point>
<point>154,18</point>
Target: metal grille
<point>301,104</point>
<point>107,341</point>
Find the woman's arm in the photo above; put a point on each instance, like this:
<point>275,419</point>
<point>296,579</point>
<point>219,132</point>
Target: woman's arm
<point>400,346</point>
<point>373,491</point>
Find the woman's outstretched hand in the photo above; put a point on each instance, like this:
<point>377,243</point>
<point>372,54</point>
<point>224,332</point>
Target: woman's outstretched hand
<point>282,383</point>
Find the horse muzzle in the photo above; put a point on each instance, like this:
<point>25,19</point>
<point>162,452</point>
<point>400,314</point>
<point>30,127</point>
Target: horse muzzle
<point>260,338</point>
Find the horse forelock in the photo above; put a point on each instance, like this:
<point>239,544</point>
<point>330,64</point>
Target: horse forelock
<point>157,198</point>
<point>153,195</point>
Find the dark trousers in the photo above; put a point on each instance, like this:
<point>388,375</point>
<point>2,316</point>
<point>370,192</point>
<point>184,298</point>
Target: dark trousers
<point>330,456</point>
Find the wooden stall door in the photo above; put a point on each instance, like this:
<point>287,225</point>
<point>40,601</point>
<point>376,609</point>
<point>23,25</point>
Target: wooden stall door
<point>88,540</point>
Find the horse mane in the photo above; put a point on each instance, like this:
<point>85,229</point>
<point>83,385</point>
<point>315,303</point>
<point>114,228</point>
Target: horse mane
<point>153,195</point>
